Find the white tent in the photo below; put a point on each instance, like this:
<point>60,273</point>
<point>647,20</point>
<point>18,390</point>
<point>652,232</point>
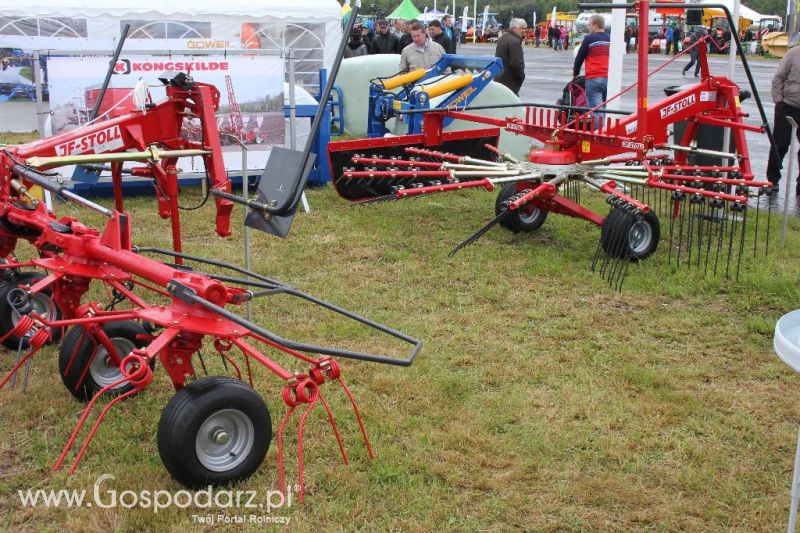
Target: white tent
<point>311,27</point>
<point>431,15</point>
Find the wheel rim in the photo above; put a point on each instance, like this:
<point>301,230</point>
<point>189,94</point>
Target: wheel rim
<point>41,303</point>
<point>528,217</point>
<point>224,440</point>
<point>640,236</point>
<point>103,371</point>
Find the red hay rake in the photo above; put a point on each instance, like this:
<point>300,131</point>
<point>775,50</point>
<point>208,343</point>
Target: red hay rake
<point>630,159</point>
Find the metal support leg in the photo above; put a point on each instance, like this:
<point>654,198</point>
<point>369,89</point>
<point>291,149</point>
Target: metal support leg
<point>795,488</point>
<point>789,178</point>
<point>293,119</point>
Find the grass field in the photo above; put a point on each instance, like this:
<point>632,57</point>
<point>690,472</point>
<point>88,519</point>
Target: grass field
<point>542,399</point>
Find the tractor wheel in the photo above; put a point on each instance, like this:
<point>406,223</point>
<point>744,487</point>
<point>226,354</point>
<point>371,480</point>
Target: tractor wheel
<point>527,218</point>
<point>624,237</point>
<point>214,431</point>
<point>78,348</point>
<point>42,303</point>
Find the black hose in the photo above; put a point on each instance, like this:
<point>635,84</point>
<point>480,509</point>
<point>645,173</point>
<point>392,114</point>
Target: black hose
<point>111,66</point>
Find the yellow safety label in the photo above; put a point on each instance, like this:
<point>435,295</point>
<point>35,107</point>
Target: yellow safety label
<point>397,104</point>
<point>586,147</point>
<point>736,101</point>
<point>36,192</point>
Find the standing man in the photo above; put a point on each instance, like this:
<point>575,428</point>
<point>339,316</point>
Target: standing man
<point>594,51</point>
<point>557,38</point>
<point>694,53</point>
<point>436,31</point>
<point>451,33</point>
<point>384,42</point>
<point>677,39</point>
<point>669,37</point>
<point>398,28</point>
<point>422,52</point>
<point>406,39</point>
<point>786,96</point>
<point>509,49</point>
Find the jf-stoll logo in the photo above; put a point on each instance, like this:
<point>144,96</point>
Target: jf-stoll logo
<point>127,66</point>
<point>680,105</point>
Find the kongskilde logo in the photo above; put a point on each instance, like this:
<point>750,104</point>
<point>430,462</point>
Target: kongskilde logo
<point>125,66</point>
<point>97,142</point>
<point>680,105</point>
<point>106,497</point>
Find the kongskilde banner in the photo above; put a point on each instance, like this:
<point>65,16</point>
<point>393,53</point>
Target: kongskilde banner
<point>251,96</point>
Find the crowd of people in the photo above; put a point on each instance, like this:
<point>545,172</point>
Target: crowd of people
<point>395,38</point>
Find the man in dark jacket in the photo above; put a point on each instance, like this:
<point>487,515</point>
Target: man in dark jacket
<point>384,42</point>
<point>509,49</point>
<point>451,33</point>
<point>406,39</point>
<point>786,95</point>
<point>436,32</point>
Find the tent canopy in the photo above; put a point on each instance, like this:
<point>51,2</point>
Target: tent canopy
<point>428,16</point>
<point>406,11</point>
<point>315,9</point>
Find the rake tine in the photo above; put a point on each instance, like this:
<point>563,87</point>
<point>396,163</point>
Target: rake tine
<point>755,232</point>
<point>723,221</point>
<point>202,362</point>
<point>17,358</point>
<point>680,231</point>
<point>596,256</point>
<point>622,256</point>
<point>477,235</point>
<point>671,230</point>
<point>732,231</point>
<point>27,374</point>
<point>709,234</point>
<point>769,218</point>
<point>741,242</point>
<point>623,276</point>
<point>700,221</point>
<point>616,248</point>
<point>376,200</point>
<point>692,216</point>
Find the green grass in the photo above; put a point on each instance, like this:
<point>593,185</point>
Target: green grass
<point>542,400</point>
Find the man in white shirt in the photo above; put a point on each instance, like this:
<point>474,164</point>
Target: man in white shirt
<point>422,52</point>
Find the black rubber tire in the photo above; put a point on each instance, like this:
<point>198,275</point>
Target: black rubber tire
<point>526,219</point>
<point>615,235</point>
<point>184,416</point>
<point>6,310</point>
<point>122,332</point>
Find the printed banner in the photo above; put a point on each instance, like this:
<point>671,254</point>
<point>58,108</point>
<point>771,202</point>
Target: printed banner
<point>251,101</point>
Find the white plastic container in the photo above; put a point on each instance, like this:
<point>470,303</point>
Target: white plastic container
<point>787,339</point>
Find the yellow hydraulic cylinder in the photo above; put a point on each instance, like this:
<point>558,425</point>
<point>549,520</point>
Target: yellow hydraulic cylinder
<point>403,79</point>
<point>448,85</point>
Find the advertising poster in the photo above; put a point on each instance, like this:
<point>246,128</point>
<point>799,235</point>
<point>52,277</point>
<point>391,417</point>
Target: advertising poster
<point>251,95</point>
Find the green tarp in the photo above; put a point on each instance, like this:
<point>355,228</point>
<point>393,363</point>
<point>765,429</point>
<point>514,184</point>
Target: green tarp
<point>406,11</point>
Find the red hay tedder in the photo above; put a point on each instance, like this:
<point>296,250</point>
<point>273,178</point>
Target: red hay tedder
<point>215,429</point>
<point>629,159</point>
